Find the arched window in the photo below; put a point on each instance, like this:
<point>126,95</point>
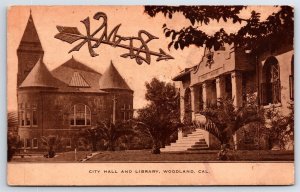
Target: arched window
<point>80,115</point>
<point>271,89</point>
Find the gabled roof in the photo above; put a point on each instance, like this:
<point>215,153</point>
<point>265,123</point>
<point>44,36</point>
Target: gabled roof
<point>73,69</point>
<point>30,39</point>
<point>111,79</point>
<point>39,76</point>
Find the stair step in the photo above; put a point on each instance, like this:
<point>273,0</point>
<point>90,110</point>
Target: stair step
<point>197,148</point>
<point>192,142</point>
<point>199,145</point>
<point>201,142</point>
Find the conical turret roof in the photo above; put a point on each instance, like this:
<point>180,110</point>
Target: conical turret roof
<point>30,39</point>
<point>111,79</point>
<point>39,76</point>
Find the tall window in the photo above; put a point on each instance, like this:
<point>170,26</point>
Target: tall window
<point>34,115</point>
<point>27,143</point>
<point>21,115</point>
<point>271,89</point>
<point>28,115</point>
<point>126,112</point>
<point>80,115</point>
<point>34,143</point>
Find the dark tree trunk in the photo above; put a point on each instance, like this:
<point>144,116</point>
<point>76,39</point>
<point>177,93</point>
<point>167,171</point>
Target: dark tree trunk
<point>94,145</point>
<point>155,147</point>
<point>111,146</point>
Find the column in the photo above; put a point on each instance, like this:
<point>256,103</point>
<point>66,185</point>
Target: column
<point>237,94</point>
<point>205,99</point>
<point>181,103</point>
<point>237,88</point>
<point>204,94</point>
<point>193,102</point>
<point>220,87</point>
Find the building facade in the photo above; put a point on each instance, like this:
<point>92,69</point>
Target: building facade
<point>66,100</point>
<point>234,73</point>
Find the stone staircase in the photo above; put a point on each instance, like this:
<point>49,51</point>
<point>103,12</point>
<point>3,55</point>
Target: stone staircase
<point>192,142</point>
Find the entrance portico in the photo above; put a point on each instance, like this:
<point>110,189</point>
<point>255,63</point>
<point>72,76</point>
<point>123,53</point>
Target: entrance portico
<point>208,92</point>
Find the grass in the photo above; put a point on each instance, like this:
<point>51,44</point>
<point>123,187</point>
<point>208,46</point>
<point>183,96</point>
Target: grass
<point>146,156</point>
<point>61,157</point>
<point>207,155</point>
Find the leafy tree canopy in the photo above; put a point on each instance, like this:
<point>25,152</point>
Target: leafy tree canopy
<point>254,32</point>
<point>160,118</point>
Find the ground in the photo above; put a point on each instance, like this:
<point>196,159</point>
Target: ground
<point>146,156</point>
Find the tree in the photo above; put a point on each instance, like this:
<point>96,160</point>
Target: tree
<point>160,118</point>
<point>252,35</point>
<point>13,142</point>
<point>51,143</point>
<point>93,135</point>
<point>281,128</point>
<point>112,132</point>
<point>226,119</point>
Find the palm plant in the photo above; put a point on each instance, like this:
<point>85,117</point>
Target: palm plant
<point>224,119</point>
<point>92,135</point>
<point>112,132</point>
<point>51,143</point>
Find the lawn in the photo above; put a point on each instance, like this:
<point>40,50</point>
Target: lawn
<point>206,155</point>
<point>146,156</point>
<point>61,157</point>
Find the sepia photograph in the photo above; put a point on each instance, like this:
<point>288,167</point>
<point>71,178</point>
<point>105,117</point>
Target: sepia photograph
<point>150,95</point>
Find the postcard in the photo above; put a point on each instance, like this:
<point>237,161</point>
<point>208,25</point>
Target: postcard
<point>150,95</point>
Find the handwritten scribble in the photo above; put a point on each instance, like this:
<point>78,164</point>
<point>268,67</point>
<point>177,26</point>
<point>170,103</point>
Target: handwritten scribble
<point>100,36</point>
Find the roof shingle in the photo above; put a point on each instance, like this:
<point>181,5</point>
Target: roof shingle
<point>111,79</point>
<point>39,76</point>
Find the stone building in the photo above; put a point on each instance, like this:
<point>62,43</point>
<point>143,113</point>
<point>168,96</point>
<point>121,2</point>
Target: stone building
<point>230,72</point>
<point>63,101</point>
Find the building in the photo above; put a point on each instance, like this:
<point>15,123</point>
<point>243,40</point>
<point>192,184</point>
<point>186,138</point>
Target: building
<point>68,99</point>
<point>233,73</point>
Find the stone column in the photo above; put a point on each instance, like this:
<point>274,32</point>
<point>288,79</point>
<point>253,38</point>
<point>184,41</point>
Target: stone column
<point>204,94</point>
<point>220,87</point>
<point>182,103</point>
<point>193,102</point>
<point>237,86</point>
<point>237,94</point>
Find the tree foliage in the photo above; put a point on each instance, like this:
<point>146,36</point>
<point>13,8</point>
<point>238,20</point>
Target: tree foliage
<point>112,132</point>
<point>52,143</point>
<point>252,35</point>
<point>227,119</point>
<point>281,128</point>
<point>160,118</point>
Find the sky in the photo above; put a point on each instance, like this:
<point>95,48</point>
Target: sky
<point>131,18</point>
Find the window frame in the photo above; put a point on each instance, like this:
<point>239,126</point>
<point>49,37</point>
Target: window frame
<point>26,141</point>
<point>87,112</point>
<point>271,87</point>
<point>37,144</point>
